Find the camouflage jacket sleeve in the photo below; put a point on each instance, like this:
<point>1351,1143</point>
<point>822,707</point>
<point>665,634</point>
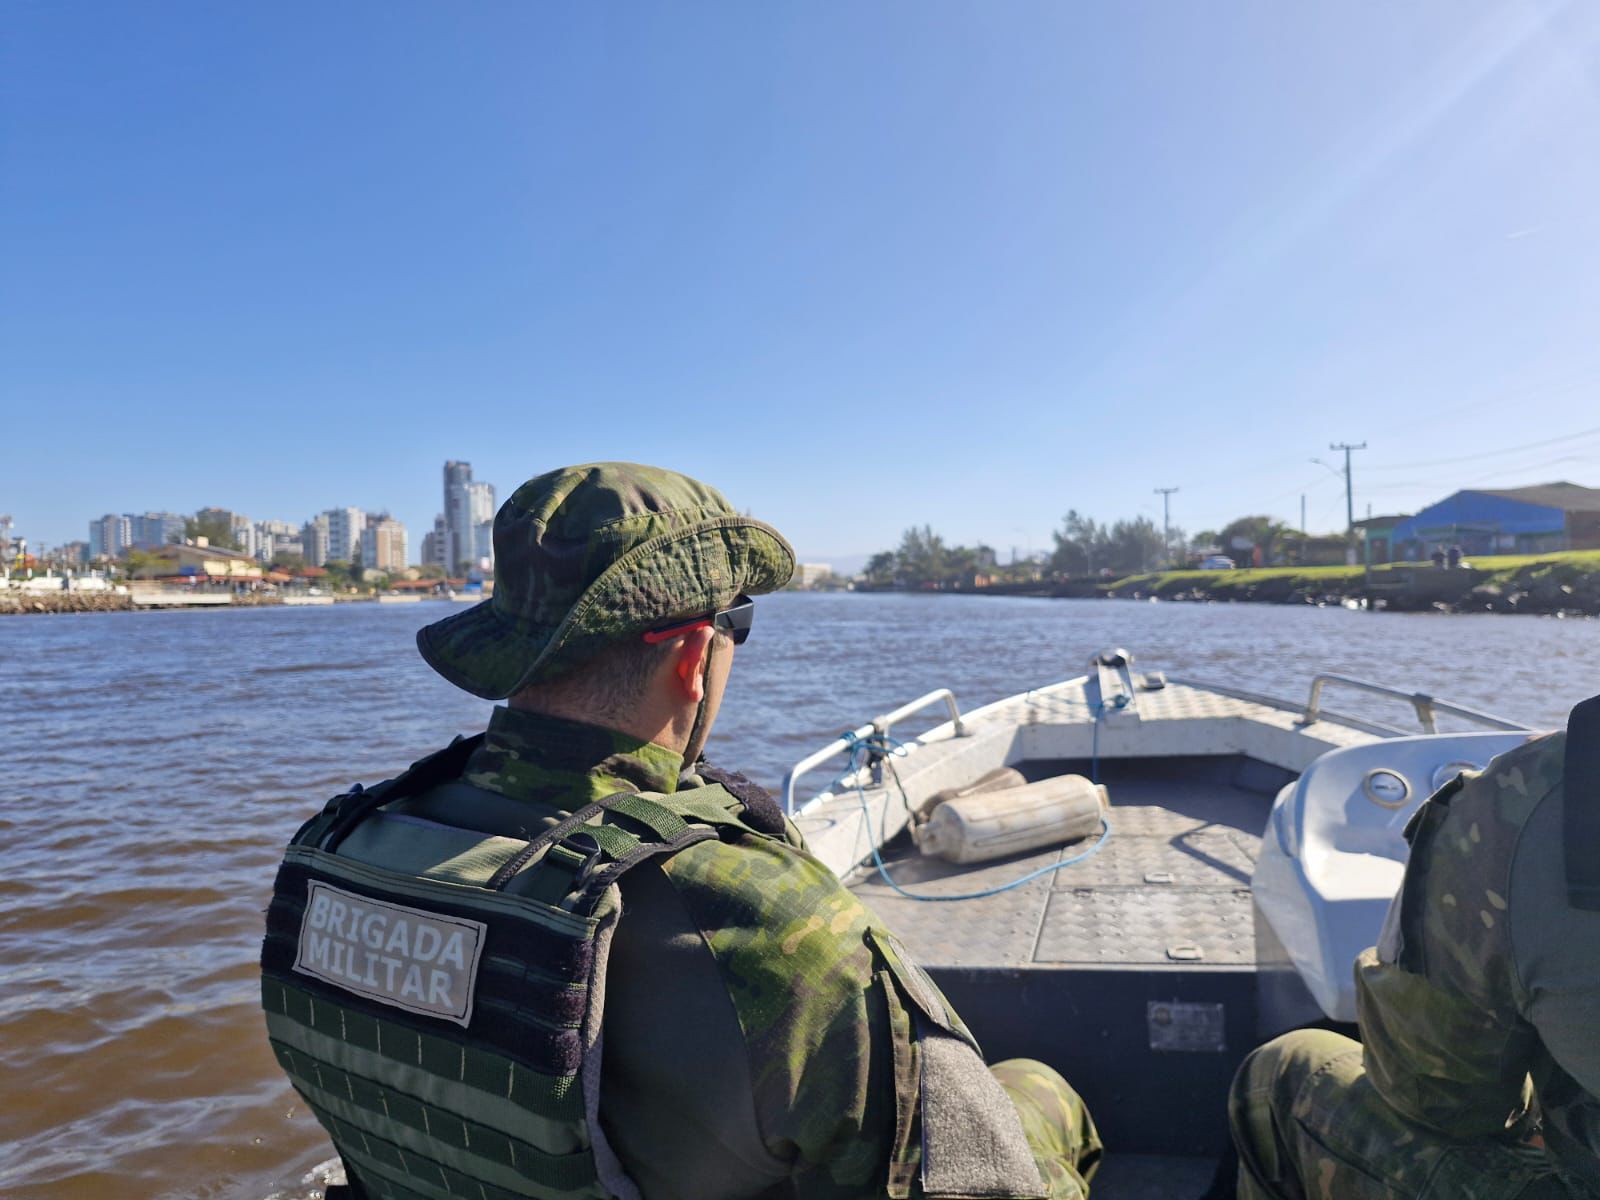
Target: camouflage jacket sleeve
<point>791,945</point>
<point>1442,1011</point>
<point>841,1061</point>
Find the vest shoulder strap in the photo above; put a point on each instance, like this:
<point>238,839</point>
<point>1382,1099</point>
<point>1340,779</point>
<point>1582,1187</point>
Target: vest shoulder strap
<point>597,846</point>
<point>348,809</point>
<point>657,824</point>
<point>1580,786</point>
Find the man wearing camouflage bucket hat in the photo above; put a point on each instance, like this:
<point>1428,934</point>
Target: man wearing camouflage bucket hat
<point>447,975</point>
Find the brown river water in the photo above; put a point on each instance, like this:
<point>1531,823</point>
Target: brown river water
<point>153,765</point>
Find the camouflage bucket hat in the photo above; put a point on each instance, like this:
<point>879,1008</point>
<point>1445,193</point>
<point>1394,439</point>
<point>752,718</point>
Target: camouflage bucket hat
<point>586,556</point>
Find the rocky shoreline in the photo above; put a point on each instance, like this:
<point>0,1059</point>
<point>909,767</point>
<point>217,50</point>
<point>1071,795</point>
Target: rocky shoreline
<point>1567,585</point>
<point>18,601</point>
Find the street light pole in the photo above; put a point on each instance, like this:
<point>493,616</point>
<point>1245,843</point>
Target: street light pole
<point>1349,491</point>
<point>1166,520</point>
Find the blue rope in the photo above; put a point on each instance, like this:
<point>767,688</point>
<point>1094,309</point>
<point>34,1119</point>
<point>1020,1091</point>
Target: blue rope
<point>1099,708</point>
<point>885,746</point>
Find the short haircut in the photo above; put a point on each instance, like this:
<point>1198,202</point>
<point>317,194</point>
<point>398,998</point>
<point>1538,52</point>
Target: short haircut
<point>607,686</point>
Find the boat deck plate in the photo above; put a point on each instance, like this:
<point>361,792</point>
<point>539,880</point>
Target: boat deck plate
<point>1170,886</point>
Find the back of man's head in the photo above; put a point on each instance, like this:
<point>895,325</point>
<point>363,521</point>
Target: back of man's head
<point>588,559</point>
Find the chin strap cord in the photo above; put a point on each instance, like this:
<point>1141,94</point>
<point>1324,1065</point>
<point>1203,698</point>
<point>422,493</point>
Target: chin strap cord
<point>880,747</point>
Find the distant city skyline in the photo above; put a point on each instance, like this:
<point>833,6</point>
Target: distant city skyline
<point>859,268</point>
<point>336,534</point>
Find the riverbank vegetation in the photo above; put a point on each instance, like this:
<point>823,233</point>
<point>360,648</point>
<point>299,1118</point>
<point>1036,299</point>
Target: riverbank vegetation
<point>1084,548</point>
<point>1123,560</point>
<point>1567,582</point>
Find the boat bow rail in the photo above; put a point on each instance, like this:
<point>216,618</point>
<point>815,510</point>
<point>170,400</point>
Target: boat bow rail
<point>1109,713</point>
<point>879,727</point>
<point>1221,798</point>
<point>1426,707</point>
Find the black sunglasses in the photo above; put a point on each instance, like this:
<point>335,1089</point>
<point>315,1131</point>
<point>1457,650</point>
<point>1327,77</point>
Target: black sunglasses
<point>736,619</point>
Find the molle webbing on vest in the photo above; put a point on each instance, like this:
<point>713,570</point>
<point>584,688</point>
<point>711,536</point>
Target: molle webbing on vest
<point>488,1103</point>
<point>530,983</point>
<point>1581,801</point>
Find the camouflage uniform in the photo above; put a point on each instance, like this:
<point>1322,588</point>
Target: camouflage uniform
<point>762,1035</point>
<point>1480,1018</point>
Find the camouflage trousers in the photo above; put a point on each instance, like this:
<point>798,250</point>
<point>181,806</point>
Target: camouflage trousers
<point>1057,1124</point>
<point>1310,1126</point>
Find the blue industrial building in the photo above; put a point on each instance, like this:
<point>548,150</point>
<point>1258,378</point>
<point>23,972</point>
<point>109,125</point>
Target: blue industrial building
<point>1529,520</point>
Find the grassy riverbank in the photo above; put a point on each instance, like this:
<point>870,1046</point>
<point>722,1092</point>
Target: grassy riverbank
<point>1538,583</point>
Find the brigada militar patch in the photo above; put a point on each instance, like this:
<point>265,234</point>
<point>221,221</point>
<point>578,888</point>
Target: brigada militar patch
<point>420,961</point>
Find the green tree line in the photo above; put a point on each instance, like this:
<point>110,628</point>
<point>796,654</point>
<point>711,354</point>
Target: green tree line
<point>1083,546</point>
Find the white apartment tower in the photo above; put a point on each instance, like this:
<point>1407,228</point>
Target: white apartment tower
<point>110,536</point>
<point>468,517</point>
<point>272,537</point>
<point>344,533</point>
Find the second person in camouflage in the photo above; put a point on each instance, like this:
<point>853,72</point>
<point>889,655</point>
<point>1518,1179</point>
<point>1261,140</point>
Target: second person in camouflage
<point>1478,1075</point>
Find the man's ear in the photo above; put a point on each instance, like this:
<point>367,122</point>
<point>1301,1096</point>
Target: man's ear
<point>689,663</point>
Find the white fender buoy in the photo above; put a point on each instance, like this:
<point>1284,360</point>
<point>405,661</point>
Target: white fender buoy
<point>990,781</point>
<point>994,824</point>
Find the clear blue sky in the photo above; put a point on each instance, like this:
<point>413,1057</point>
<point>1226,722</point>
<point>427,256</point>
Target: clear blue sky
<point>860,265</point>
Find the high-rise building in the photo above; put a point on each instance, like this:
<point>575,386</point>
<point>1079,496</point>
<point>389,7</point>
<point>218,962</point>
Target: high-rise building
<point>244,533</point>
<point>153,529</point>
<point>344,533</point>
<point>273,537</point>
<point>457,514</point>
<point>113,534</point>
<point>110,536</point>
<point>314,541</point>
<point>221,520</point>
<point>482,508</point>
<point>436,545</point>
<point>383,544</point>
<point>483,545</point>
<point>468,507</point>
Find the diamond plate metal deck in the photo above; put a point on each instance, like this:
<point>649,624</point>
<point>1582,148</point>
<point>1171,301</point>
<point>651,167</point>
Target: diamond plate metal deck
<point>1188,860</point>
<point>1147,926</point>
<point>1171,886</point>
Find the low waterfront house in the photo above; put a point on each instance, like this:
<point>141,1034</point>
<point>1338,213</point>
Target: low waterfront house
<point>199,563</point>
<point>1530,520</point>
<point>1379,535</point>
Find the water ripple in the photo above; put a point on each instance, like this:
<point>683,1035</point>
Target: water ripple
<point>155,764</point>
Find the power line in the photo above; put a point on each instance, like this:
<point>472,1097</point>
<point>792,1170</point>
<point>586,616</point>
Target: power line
<point>1458,484</point>
<point>1512,396</point>
<point>1445,462</point>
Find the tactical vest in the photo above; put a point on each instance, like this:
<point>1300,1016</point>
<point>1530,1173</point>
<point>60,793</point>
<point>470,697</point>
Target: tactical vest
<point>442,1022</point>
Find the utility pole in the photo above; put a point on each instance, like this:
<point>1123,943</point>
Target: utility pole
<point>1166,522</point>
<point>1349,492</point>
<point>1302,514</point>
